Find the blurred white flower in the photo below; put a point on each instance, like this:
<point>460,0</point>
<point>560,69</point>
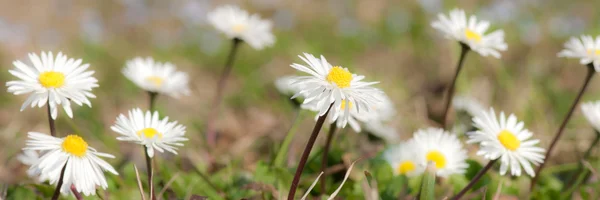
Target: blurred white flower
<point>157,77</point>
<point>471,33</point>
<point>148,130</point>
<point>586,48</point>
<point>29,158</point>
<point>285,85</point>
<point>83,166</point>
<point>591,111</point>
<point>388,133</point>
<point>56,81</point>
<point>237,23</point>
<point>506,139</point>
<point>403,158</point>
<point>442,148</point>
<point>335,85</point>
<point>470,105</point>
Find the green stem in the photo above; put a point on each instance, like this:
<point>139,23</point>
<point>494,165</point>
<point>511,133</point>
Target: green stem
<point>285,145</point>
<point>474,180</point>
<point>463,53</point>
<point>51,121</point>
<point>590,73</point>
<point>581,173</point>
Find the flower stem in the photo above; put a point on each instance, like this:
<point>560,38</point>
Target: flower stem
<point>580,173</point>
<point>285,145</point>
<point>152,97</point>
<point>211,134</point>
<point>51,121</point>
<point>75,193</point>
<point>332,129</point>
<point>449,96</point>
<point>307,149</point>
<point>149,170</point>
<point>590,73</point>
<point>60,182</point>
<point>474,180</point>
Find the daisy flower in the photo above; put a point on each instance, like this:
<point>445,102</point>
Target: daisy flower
<point>506,139</point>
<point>591,111</point>
<point>284,85</point>
<point>442,148</point>
<point>470,105</point>
<point>327,84</point>
<point>586,48</point>
<point>56,81</point>
<point>157,77</point>
<point>29,158</point>
<point>403,159</point>
<point>381,130</point>
<point>471,33</point>
<point>146,129</point>
<point>236,23</point>
<point>82,163</point>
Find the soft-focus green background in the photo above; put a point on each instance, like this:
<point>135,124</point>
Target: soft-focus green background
<point>388,41</point>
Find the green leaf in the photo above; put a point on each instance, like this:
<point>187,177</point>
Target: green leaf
<point>428,184</point>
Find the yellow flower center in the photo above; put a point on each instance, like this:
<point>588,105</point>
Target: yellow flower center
<point>437,157</point>
<point>52,79</point>
<point>340,76</point>
<point>471,35</point>
<point>238,28</point>
<point>509,140</point>
<point>157,81</point>
<point>75,145</point>
<point>594,52</point>
<point>406,167</point>
<point>149,133</point>
<point>343,104</point>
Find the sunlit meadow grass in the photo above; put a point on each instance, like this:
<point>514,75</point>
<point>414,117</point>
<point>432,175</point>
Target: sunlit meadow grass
<point>387,41</point>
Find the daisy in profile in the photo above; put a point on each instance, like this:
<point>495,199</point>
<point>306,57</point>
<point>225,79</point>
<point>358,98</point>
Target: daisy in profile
<point>148,130</point>
<point>443,149</point>
<point>382,130</point>
<point>506,139</point>
<point>82,163</point>
<point>29,158</point>
<point>326,85</point>
<point>403,158</point>
<point>469,105</point>
<point>156,77</point>
<point>284,85</point>
<point>591,111</point>
<point>236,23</point>
<point>471,32</point>
<point>54,80</point>
<point>586,48</point>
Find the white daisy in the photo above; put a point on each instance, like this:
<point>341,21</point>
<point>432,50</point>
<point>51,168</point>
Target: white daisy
<point>146,129</point>
<point>384,131</point>
<point>442,148</point>
<point>586,48</point>
<point>284,85</point>
<point>471,33</point>
<point>328,85</point>
<point>157,77</point>
<point>508,140</point>
<point>239,24</point>
<point>56,81</point>
<point>470,105</point>
<point>29,158</point>
<point>591,111</point>
<point>83,164</point>
<point>403,159</point>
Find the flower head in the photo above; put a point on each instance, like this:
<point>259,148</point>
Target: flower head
<point>403,158</point>
<point>382,130</point>
<point>471,33</point>
<point>591,111</point>
<point>443,149</point>
<point>56,81</point>
<point>506,139</point>
<point>157,77</point>
<point>83,166</point>
<point>236,23</point>
<point>586,48</point>
<point>146,129</point>
<point>470,105</point>
<point>327,85</point>
<point>284,85</point>
<point>29,158</point>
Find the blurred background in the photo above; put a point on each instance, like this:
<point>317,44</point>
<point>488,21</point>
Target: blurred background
<point>389,41</point>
